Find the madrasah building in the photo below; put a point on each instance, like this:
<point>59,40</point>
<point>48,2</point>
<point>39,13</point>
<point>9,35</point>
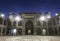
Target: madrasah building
<point>29,23</point>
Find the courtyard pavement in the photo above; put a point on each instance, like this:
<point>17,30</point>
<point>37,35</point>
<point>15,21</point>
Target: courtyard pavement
<point>29,38</point>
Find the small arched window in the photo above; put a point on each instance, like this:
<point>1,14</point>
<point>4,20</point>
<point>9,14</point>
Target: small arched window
<point>38,23</point>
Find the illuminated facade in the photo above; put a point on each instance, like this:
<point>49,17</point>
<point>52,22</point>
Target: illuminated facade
<point>29,23</point>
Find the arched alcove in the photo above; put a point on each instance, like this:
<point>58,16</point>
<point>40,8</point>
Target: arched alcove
<point>29,27</point>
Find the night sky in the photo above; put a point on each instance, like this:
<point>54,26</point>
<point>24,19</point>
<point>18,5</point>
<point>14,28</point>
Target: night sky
<point>52,6</point>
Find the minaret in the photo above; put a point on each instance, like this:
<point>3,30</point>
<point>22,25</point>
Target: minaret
<point>11,16</point>
<point>48,15</point>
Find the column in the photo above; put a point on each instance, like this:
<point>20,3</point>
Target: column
<point>57,26</point>
<point>41,28</point>
<point>34,28</point>
<point>53,26</point>
<point>47,27</point>
<point>23,27</point>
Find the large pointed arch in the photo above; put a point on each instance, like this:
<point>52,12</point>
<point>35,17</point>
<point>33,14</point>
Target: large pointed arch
<point>29,26</point>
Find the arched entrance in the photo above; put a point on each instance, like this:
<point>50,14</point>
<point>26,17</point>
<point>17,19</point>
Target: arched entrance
<point>19,31</point>
<point>29,28</point>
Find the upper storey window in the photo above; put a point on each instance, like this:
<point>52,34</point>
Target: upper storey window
<point>1,20</point>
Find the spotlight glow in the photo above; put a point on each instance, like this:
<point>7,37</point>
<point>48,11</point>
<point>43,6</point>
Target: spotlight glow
<point>56,14</point>
<point>18,18</point>
<point>42,18</point>
<point>2,15</point>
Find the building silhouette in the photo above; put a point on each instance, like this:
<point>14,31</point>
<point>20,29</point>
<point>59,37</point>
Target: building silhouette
<point>30,24</point>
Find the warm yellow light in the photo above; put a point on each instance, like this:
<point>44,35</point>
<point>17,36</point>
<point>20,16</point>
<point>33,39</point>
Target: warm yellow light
<point>48,17</point>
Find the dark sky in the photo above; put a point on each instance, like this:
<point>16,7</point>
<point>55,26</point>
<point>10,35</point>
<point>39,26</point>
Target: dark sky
<point>52,6</point>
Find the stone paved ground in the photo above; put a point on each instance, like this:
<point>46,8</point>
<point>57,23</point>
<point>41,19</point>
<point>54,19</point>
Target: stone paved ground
<point>29,38</point>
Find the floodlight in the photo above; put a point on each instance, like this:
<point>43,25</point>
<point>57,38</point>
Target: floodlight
<point>42,18</point>
<point>18,18</point>
<point>2,15</point>
<point>56,14</point>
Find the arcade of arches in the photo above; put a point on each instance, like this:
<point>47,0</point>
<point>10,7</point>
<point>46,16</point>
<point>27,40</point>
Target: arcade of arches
<point>29,27</point>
